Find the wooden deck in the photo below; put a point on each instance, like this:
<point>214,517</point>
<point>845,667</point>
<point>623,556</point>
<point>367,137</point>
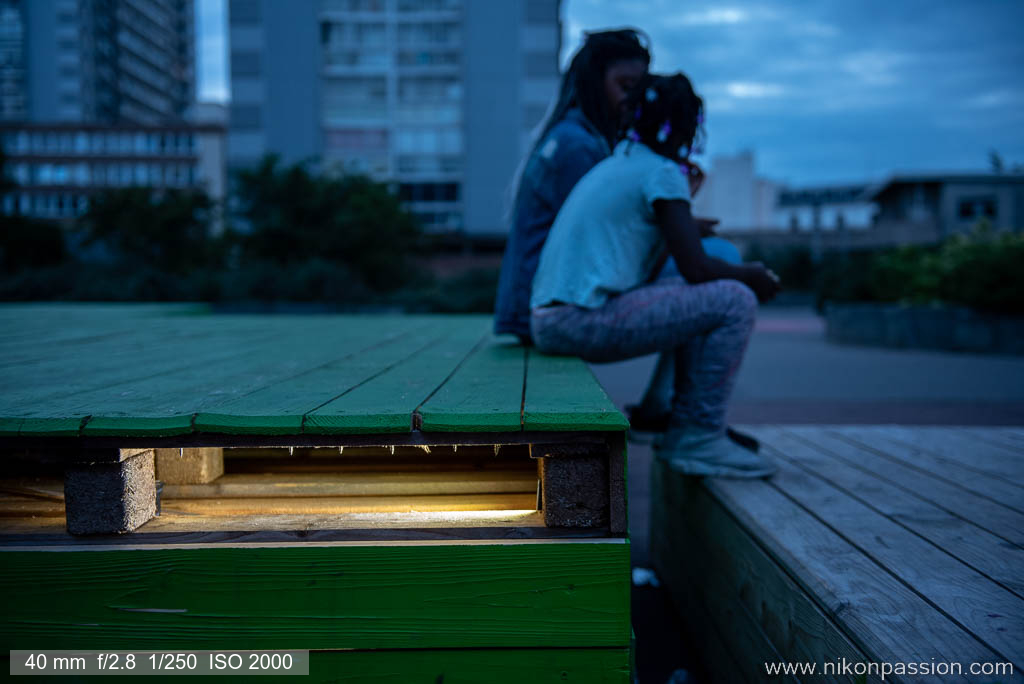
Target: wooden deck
<point>871,544</point>
<point>408,496</point>
<point>130,371</point>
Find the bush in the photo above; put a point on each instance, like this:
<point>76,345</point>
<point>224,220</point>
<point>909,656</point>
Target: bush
<point>470,292</point>
<point>793,265</point>
<point>28,243</point>
<point>294,217</point>
<point>982,271</point>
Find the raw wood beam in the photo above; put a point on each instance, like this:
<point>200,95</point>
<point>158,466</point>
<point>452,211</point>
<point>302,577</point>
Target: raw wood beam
<point>191,465</point>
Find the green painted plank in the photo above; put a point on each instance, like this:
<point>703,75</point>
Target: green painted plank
<point>52,408</point>
<point>37,388</point>
<point>562,394</point>
<point>10,427</point>
<point>534,594</point>
<point>281,408</point>
<point>484,395</point>
<point>386,404</point>
<point>146,409</point>
<point>152,392</point>
<point>494,666</point>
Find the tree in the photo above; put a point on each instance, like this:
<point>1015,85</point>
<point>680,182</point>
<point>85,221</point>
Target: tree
<point>294,217</point>
<point>164,230</point>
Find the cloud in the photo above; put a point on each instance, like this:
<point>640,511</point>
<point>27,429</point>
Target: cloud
<point>753,89</point>
<point>876,67</point>
<point>994,99</point>
<point>713,16</point>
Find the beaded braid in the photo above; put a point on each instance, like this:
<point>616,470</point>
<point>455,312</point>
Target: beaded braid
<point>661,105</point>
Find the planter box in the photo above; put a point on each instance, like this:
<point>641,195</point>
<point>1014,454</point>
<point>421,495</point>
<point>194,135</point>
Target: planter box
<point>922,327</point>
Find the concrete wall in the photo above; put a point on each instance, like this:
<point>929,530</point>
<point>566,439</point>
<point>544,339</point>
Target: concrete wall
<point>40,18</point>
<point>291,113</point>
<point>493,115</point>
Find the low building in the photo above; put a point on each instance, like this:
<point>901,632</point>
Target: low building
<point>824,208</point>
<point>57,166</point>
<point>735,195</point>
<point>931,207</point>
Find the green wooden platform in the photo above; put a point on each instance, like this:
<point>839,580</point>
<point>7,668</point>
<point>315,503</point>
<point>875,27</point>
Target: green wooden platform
<point>378,597</point>
<point>156,372</point>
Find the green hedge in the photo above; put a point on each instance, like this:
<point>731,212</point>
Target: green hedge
<point>983,271</point>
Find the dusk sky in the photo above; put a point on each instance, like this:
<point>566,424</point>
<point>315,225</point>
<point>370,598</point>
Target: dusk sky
<point>822,91</point>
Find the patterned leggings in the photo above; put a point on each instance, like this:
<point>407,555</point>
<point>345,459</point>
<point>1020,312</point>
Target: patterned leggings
<point>707,325</point>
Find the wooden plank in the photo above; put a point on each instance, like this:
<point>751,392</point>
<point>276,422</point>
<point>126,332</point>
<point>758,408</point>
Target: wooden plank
<point>1000,436</point>
<point>216,361</point>
<point>562,394</point>
<point>879,614</point>
<point>989,612</point>
<point>280,409</point>
<point>495,666</point>
<point>688,522</point>
<point>345,505</point>
<point>997,519</point>
<point>53,405</point>
<point>952,446</point>
<point>387,404</point>
<point>730,640</point>
<point>920,457</point>
<point>417,595</point>
<point>978,548</point>
<point>485,394</point>
<point>304,353</point>
<point>189,466</point>
<point>48,529</point>
<point>379,483</point>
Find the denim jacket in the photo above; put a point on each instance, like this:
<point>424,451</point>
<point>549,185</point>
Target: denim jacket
<point>570,149</point>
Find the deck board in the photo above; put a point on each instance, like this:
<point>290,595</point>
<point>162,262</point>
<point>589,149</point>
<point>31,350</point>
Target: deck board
<point>900,558</point>
<point>387,404</point>
<point>954,471</point>
<point>109,371</point>
<point>562,394</point>
<point>968,597</point>
<point>484,394</point>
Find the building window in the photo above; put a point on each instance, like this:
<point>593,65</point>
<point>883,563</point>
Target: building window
<point>971,208</point>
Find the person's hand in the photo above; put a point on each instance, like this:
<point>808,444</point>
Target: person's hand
<point>706,226</point>
<point>763,282</point>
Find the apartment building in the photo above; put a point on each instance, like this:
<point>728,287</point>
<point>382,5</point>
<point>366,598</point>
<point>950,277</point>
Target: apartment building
<point>437,97</point>
<point>97,61</point>
<point>58,166</point>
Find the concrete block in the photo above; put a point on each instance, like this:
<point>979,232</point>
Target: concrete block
<point>107,498</point>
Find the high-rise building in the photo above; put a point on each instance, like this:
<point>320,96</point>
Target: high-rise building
<point>96,61</point>
<point>437,97</point>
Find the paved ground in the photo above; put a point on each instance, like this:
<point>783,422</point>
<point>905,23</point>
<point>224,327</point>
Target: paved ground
<point>792,375</point>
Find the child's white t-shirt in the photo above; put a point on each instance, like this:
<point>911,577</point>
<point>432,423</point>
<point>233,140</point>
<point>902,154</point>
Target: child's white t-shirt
<point>604,240</point>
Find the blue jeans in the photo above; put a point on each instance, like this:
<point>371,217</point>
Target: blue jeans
<point>704,328</point>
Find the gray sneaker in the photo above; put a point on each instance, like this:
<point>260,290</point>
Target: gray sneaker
<point>710,453</point>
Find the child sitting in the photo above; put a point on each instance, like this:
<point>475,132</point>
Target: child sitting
<point>592,297</point>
